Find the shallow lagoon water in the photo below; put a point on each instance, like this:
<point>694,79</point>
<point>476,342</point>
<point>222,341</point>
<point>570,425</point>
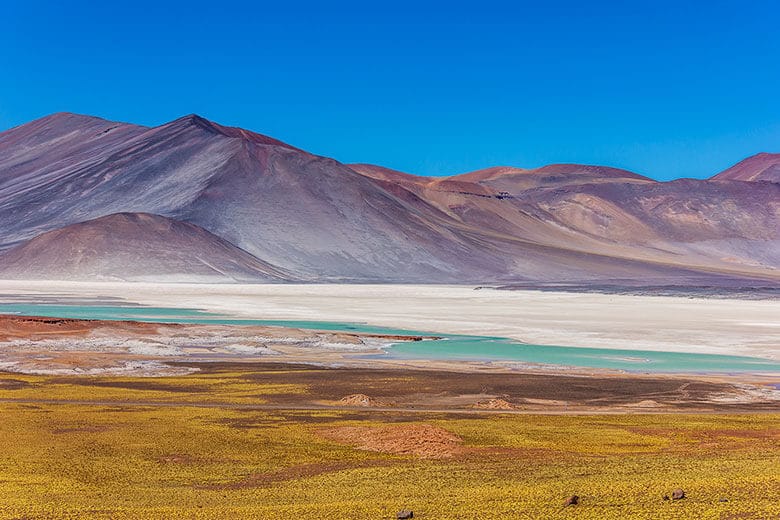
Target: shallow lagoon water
<point>450,347</point>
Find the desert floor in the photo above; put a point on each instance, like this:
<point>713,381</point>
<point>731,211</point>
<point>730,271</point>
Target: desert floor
<point>287,441</point>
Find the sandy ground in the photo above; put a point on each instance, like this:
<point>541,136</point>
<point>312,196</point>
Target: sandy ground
<point>699,325</point>
<point>379,390</point>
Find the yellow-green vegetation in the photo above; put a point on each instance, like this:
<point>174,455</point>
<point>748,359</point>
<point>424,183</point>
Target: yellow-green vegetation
<point>231,388</point>
<point>182,461</point>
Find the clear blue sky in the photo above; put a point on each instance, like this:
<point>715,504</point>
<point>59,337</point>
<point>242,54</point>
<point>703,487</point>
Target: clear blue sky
<point>667,89</point>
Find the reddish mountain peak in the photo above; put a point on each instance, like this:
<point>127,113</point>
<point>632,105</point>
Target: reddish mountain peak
<point>489,173</point>
<point>587,169</point>
<point>63,122</point>
<point>505,178</point>
<point>67,116</point>
<point>194,120</point>
<point>760,167</point>
<point>577,172</point>
<point>387,174</point>
<point>441,184</point>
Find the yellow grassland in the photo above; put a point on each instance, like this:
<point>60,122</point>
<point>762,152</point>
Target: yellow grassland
<point>117,460</point>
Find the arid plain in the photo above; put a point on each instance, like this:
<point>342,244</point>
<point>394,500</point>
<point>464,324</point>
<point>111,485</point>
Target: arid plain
<point>248,421</point>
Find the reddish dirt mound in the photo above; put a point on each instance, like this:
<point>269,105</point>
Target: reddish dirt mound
<point>360,400</point>
<point>33,327</point>
<point>495,404</point>
<point>422,440</point>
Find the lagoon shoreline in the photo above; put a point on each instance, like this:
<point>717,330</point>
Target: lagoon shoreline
<point>613,321</point>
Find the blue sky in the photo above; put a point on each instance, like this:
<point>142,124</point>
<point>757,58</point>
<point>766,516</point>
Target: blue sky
<point>667,89</point>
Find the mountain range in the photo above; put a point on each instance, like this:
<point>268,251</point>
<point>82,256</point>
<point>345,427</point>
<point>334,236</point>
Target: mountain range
<point>82,198</point>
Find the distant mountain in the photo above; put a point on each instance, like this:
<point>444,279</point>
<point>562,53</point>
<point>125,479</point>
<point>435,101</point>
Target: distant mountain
<point>717,226</point>
<point>759,167</point>
<point>135,246</point>
<point>255,208</point>
<point>515,180</point>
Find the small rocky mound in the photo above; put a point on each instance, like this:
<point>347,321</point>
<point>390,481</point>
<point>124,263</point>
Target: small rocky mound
<point>404,514</point>
<point>422,440</point>
<point>495,404</point>
<point>571,501</point>
<point>646,403</point>
<point>677,494</point>
<point>360,400</point>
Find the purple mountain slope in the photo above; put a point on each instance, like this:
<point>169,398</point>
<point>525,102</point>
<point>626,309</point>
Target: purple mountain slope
<point>309,214</point>
<point>302,216</point>
<point>136,246</point>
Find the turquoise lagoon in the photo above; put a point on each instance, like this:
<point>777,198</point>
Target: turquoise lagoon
<point>449,347</point>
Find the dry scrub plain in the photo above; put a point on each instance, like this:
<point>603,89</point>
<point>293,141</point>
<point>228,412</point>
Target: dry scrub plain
<point>194,447</point>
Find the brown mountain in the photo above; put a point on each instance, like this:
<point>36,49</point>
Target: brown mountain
<point>514,180</point>
<point>706,225</point>
<point>302,216</point>
<point>759,167</point>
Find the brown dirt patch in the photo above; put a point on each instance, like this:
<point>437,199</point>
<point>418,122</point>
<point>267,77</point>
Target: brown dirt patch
<point>443,389</point>
<point>13,384</point>
<point>147,385</point>
<point>495,404</point>
<point>360,400</point>
<point>32,327</point>
<point>422,440</point>
<point>646,403</point>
